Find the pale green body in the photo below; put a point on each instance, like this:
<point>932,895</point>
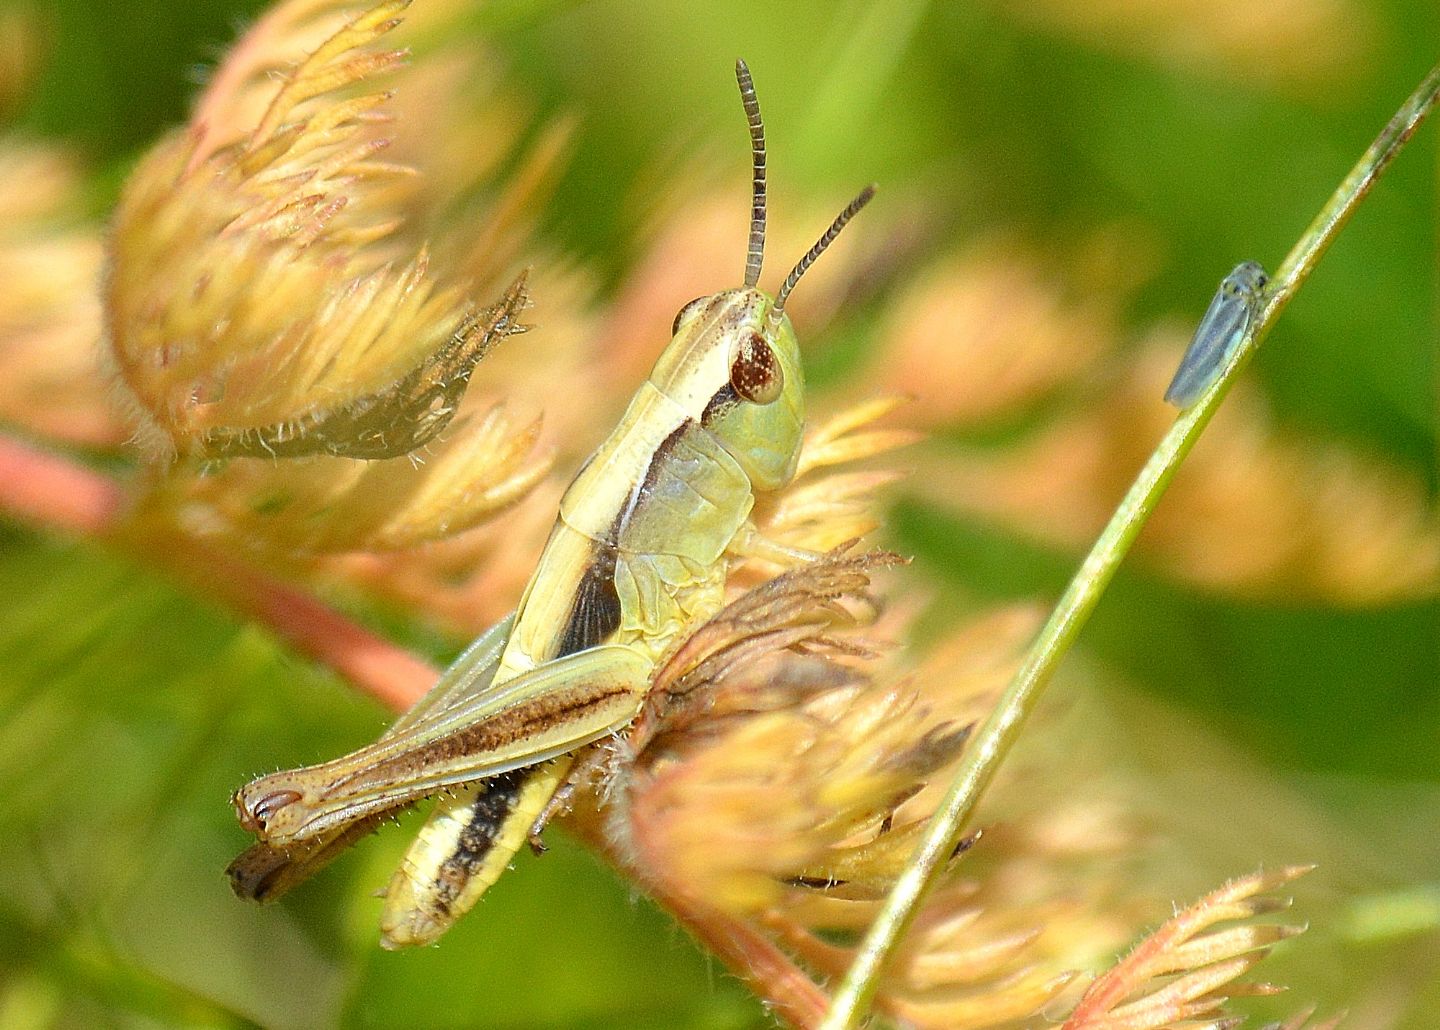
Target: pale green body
<point>635,561</point>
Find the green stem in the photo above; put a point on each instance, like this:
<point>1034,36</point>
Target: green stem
<point>1001,728</point>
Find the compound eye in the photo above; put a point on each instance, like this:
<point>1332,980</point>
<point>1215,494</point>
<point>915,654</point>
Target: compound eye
<point>687,312</point>
<point>755,372</point>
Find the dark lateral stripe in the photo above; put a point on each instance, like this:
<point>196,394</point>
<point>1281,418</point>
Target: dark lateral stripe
<point>595,612</point>
<point>722,401</point>
<point>493,804</point>
<point>647,482</point>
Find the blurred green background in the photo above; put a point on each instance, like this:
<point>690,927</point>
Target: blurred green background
<point>129,711</point>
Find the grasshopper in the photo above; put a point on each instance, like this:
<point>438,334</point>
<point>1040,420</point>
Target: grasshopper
<point>636,561</point>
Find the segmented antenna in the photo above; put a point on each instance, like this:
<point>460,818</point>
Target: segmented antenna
<point>814,252</point>
<point>756,252</point>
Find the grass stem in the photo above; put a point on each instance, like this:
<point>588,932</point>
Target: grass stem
<point>851,1000</point>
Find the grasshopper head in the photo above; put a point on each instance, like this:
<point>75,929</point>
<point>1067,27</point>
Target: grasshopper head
<point>734,363</point>
<point>734,366</point>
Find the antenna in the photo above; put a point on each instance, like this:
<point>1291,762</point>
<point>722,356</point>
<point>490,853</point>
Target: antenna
<point>756,252</point>
<point>814,252</point>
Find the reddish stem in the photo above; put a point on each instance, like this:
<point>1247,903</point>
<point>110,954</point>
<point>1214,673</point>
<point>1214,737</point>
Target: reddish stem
<point>49,491</point>
<point>755,958</point>
<point>388,673</point>
<point>55,493</point>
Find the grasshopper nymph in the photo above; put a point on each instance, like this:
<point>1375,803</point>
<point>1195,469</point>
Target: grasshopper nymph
<point>636,561</point>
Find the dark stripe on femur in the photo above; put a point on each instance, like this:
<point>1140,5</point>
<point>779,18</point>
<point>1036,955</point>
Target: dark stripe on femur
<point>521,722</point>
